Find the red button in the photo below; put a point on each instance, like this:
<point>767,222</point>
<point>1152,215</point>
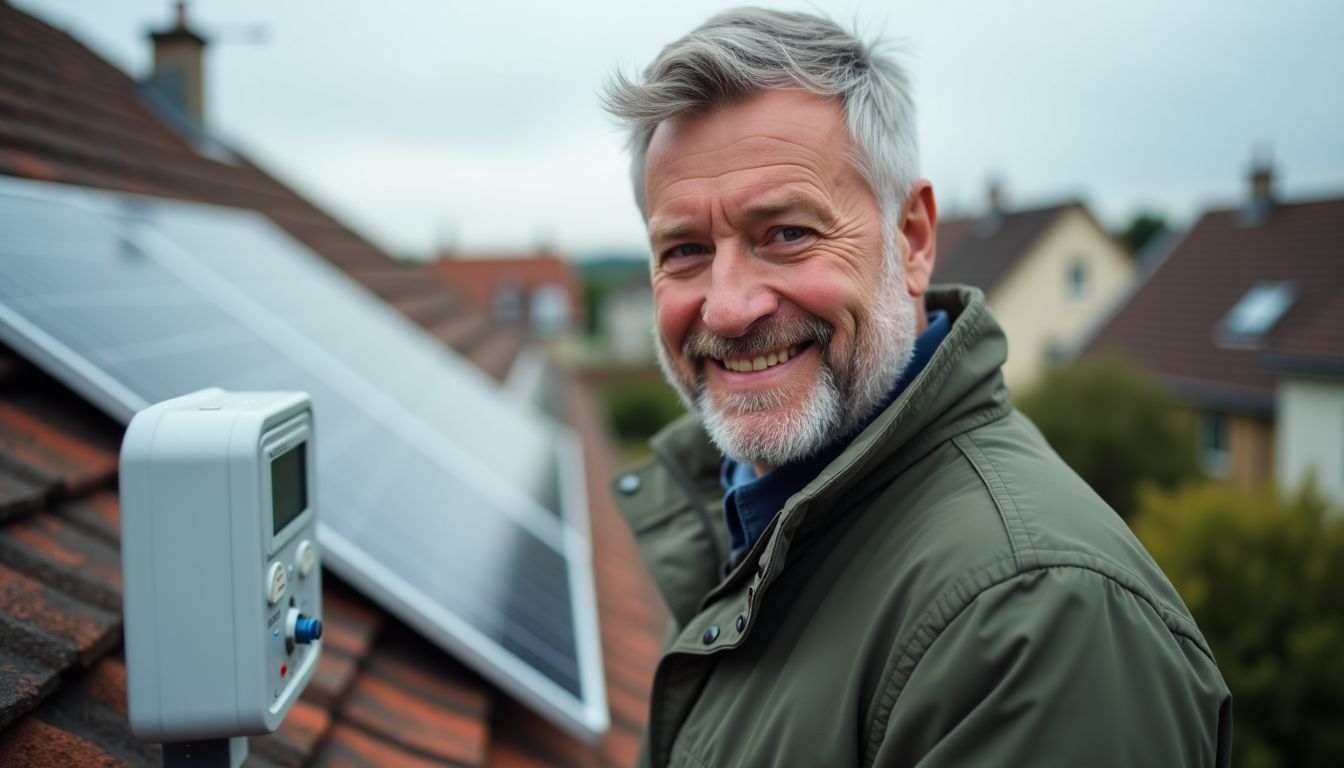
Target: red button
<point>283,669</point>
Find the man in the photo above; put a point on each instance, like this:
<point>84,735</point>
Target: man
<point>869,556</point>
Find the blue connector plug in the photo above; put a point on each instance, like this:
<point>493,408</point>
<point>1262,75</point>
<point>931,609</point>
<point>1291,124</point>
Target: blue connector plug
<point>307,629</point>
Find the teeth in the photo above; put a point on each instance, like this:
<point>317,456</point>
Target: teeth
<point>760,362</point>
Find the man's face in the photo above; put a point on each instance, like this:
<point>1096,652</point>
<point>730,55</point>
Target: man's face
<point>777,320</point>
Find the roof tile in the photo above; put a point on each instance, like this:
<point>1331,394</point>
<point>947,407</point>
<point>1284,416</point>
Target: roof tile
<point>98,512</point>
<point>64,556</point>
<point>92,706</point>
<point>50,626</point>
<point>21,492</point>
<point>52,453</point>
<point>23,683</point>
<point>298,737</point>
<point>413,695</point>
<point>31,743</point>
<point>350,747</point>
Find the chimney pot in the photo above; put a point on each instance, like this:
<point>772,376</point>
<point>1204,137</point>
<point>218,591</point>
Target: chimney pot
<point>178,66</point>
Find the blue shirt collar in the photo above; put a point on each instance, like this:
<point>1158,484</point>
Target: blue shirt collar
<point>751,502</point>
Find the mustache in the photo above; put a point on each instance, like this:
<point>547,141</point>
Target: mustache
<point>766,335</point>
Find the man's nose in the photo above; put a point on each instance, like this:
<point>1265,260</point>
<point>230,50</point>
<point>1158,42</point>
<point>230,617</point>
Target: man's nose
<point>737,295</point>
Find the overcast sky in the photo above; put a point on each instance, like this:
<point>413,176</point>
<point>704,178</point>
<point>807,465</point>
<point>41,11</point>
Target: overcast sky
<point>423,122</point>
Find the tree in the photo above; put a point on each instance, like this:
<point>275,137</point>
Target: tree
<point>1141,230</point>
<point>1261,574</point>
<point>1113,427</point>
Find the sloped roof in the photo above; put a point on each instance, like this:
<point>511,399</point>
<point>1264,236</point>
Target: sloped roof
<point>68,116</point>
<point>476,278</point>
<point>381,695</point>
<point>1170,325</point>
<point>981,251</point>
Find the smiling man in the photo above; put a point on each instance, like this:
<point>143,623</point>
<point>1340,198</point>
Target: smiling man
<point>869,556</point>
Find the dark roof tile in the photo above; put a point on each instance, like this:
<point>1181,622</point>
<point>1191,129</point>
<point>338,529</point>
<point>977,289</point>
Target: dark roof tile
<point>92,706</point>
<point>50,626</point>
<point>66,557</point>
<point>23,683</point>
<point>52,452</point>
<point>98,512</point>
<point>298,737</point>
<point>21,492</point>
<point>413,695</point>
<point>1169,326</point>
<point>351,747</point>
<point>31,743</point>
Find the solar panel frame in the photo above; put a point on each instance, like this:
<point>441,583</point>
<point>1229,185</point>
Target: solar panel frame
<point>585,715</point>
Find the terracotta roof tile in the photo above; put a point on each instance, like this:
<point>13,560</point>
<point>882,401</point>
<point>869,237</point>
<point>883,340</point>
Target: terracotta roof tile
<point>92,707</point>
<point>332,678</point>
<point>98,512</point>
<point>23,683</point>
<point>52,453</point>
<point>413,695</point>
<point>50,626</point>
<point>31,743</point>
<point>298,737</point>
<point>351,747</point>
<point>64,556</point>
<point>21,491</point>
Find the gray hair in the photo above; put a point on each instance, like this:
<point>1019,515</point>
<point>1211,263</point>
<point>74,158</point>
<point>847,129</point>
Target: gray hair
<point>746,51</point>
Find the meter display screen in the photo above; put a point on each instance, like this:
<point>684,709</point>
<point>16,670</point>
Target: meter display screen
<point>289,486</point>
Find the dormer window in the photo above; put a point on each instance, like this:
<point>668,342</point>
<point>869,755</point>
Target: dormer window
<point>1247,323</point>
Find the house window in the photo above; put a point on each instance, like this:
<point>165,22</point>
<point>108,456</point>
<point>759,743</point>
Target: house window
<point>1078,279</point>
<point>1213,443</point>
<point>1245,325</point>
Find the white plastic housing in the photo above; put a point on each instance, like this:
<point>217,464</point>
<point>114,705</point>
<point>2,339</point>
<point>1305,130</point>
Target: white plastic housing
<point>206,650</point>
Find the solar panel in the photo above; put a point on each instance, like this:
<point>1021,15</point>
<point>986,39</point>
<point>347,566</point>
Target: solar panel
<point>458,509</point>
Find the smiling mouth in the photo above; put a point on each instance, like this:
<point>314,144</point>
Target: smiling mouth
<point>762,361</point>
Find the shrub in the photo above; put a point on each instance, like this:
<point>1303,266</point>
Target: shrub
<point>1114,428</point>
<point>638,408</point>
<point>1262,575</point>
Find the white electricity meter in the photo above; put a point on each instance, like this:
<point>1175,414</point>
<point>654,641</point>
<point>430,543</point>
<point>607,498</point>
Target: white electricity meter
<point>223,584</point>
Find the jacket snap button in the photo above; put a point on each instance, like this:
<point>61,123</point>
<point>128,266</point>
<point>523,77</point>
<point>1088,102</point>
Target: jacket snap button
<point>741,622</point>
<point>711,634</point>
<point>628,484</point>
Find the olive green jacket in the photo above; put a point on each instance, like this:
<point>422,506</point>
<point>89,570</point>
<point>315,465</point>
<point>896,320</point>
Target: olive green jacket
<point>946,592</point>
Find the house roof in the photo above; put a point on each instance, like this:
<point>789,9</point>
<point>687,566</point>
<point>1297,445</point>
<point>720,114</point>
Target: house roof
<point>982,251</point>
<point>477,278</point>
<point>381,694</point>
<point>1170,327</point>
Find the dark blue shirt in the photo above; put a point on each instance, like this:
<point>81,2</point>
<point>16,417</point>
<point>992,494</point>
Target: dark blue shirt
<point>751,502</point>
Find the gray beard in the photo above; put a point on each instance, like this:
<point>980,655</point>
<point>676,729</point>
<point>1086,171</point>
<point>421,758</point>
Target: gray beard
<point>758,428</point>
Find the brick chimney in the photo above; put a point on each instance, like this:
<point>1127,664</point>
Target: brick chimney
<point>1261,177</point>
<point>178,74</point>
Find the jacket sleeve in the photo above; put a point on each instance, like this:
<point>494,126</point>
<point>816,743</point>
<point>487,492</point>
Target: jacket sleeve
<point>1058,667</point>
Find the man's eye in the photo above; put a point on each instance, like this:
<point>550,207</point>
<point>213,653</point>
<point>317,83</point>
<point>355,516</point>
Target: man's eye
<point>790,234</point>
<point>686,249</point>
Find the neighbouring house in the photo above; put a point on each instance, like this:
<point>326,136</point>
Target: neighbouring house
<point>1048,273</point>
<point>1243,321</point>
<point>621,318</point>
<point>538,290</point>
<point>72,125</point>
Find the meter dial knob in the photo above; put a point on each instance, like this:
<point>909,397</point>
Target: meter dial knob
<point>276,583</point>
<point>307,558</point>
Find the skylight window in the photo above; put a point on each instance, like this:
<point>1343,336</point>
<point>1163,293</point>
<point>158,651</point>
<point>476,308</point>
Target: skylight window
<point>1256,313</point>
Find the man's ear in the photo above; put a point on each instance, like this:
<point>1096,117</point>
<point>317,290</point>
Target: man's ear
<point>919,228</point>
